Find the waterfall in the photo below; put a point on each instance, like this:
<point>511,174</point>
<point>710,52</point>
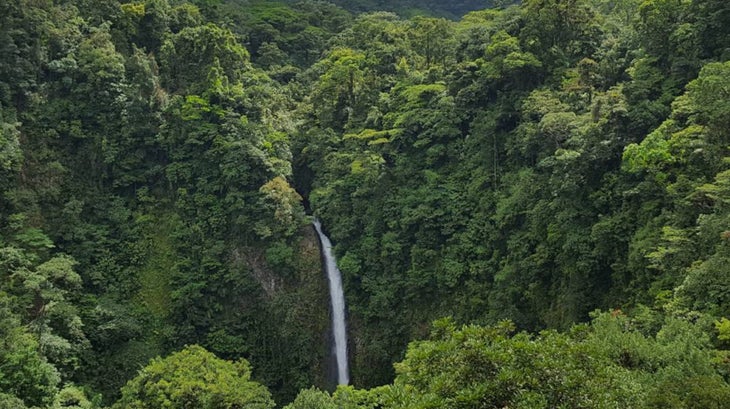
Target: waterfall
<point>337,296</point>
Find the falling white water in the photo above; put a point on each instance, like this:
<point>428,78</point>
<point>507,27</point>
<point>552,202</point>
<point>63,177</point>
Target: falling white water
<point>338,306</point>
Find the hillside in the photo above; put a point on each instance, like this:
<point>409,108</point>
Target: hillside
<point>448,9</point>
<point>529,204</point>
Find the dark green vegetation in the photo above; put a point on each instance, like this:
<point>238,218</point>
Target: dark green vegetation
<point>145,199</point>
<point>410,8</point>
<point>515,171</point>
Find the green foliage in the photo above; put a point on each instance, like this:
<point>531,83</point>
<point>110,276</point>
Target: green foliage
<point>43,297</point>
<point>430,38</point>
<point>201,52</point>
<point>71,397</point>
<point>560,32</point>
<point>312,399</point>
<point>10,402</point>
<point>488,367</point>
<point>339,91</point>
<point>561,159</point>
<point>609,363</point>
<point>25,375</point>
<point>10,153</point>
<point>410,8</point>
<point>194,377</point>
<point>529,162</point>
<point>140,153</point>
<point>286,205</point>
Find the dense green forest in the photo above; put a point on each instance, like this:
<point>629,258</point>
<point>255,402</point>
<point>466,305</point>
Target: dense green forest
<point>410,8</point>
<point>530,203</point>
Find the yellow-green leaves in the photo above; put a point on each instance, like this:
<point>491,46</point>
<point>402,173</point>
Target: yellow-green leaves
<point>194,378</point>
<point>284,203</point>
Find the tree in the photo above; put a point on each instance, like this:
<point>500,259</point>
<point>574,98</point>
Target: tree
<point>712,27</point>
<point>560,32</point>
<point>24,374</point>
<point>10,402</point>
<point>283,204</point>
<point>338,96</point>
<point>488,367</point>
<point>430,37</point>
<point>194,378</point>
<point>195,53</point>
<point>663,31</point>
<point>312,398</point>
<point>71,397</point>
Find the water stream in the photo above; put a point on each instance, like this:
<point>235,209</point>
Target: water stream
<point>337,297</point>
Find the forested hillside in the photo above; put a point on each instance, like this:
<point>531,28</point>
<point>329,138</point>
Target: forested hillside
<point>409,8</point>
<point>530,203</point>
<point>145,198</point>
